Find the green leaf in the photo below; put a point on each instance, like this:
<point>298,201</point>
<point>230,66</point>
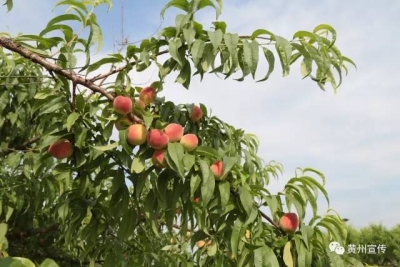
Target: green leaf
<point>174,45</point>
<point>180,21</point>
<point>287,255</point>
<point>305,34</point>
<point>10,212</point>
<point>311,182</point>
<point>259,32</point>
<point>215,38</point>
<point>207,151</point>
<point>265,257</point>
<point>107,147</point>
<point>231,42</point>
<point>208,182</point>
<point>335,259</point>
<point>185,75</point>
<point>269,56</point>
<point>189,35</point>
<point>250,52</point>
<point>328,28</point>
<point>189,160</point>
<point>284,50</point>
<point>224,191</point>
<point>96,33</point>
<point>123,142</point>
<point>212,250</point>
<point>21,262</point>
<point>205,171</point>
<point>195,181</point>
<point>295,199</point>
<point>101,62</point>
<point>162,184</point>
<point>236,236</point>
<point>306,67</point>
<point>9,4</point>
<point>350,61</point>
<point>197,51</point>
<point>181,4</point>
<point>307,233</point>
<point>148,120</point>
<point>74,4</point>
<point>138,165</point>
<point>355,262</point>
<point>46,42</point>
<point>272,203</point>
<point>176,152</point>
<point>67,30</point>
<point>220,25</point>
<point>204,3</point>
<point>63,17</point>
<point>229,162</point>
<point>3,230</point>
<point>71,120</point>
<point>48,263</point>
<point>246,199</point>
<point>145,57</point>
<point>127,225</point>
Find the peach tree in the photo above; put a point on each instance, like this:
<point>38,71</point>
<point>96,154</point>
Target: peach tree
<point>96,173</point>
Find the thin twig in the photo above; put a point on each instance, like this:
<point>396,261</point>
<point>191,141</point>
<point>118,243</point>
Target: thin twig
<point>34,231</point>
<point>265,216</point>
<point>22,147</point>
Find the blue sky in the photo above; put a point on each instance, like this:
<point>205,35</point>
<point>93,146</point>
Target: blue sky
<point>353,137</point>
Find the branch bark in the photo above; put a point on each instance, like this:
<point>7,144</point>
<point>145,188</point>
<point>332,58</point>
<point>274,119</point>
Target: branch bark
<point>22,147</point>
<point>34,231</point>
<point>116,70</point>
<point>265,216</point>
<point>51,67</point>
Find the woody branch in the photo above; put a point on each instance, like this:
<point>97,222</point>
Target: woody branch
<point>51,67</point>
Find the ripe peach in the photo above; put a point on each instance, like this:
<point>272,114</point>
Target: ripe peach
<point>61,149</point>
<point>158,158</point>
<point>148,95</point>
<point>189,142</point>
<point>174,132</point>
<point>289,222</point>
<point>122,104</point>
<point>217,169</point>
<point>123,123</point>
<point>157,139</point>
<point>201,243</point>
<point>137,134</point>
<point>196,114</point>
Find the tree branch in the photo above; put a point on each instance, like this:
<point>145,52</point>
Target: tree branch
<point>22,147</point>
<point>51,67</point>
<point>34,231</point>
<point>265,216</point>
<point>116,70</point>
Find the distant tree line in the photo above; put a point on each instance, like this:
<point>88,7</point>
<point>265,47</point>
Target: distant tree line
<point>375,245</point>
